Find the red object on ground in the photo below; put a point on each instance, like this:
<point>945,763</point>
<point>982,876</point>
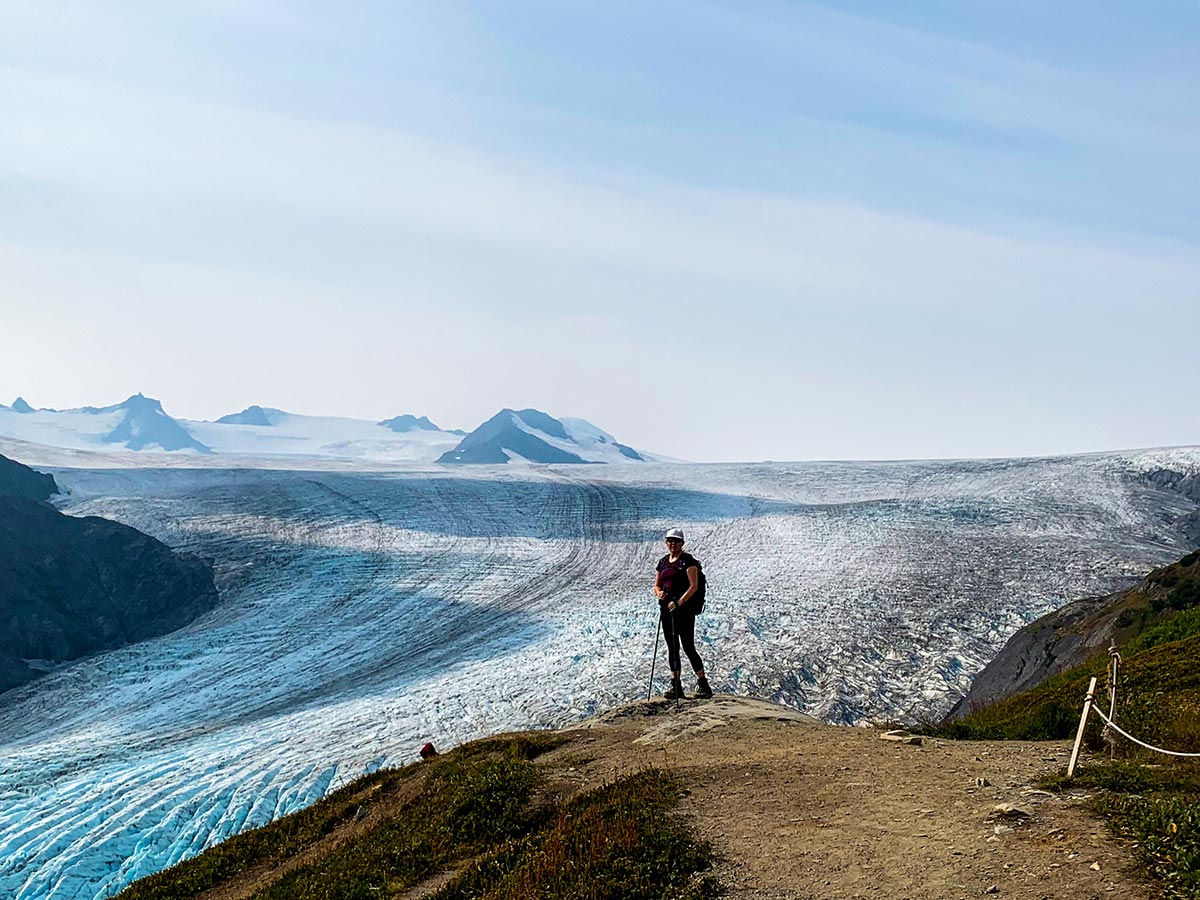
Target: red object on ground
<point>427,752</point>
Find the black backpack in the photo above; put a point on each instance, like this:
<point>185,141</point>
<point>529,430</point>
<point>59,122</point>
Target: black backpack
<point>696,601</point>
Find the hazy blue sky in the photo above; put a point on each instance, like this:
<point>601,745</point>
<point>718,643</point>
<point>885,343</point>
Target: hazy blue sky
<point>734,230</point>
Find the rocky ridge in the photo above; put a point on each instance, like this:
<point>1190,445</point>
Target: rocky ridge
<point>73,586</point>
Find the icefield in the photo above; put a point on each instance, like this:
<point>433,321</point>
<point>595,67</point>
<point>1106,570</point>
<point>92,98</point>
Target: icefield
<point>367,610</point>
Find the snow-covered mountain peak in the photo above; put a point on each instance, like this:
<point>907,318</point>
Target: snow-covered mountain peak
<point>20,406</point>
<point>534,436</point>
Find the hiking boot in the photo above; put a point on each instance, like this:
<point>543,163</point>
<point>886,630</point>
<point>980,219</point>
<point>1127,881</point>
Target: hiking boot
<point>703,691</point>
<point>675,692</point>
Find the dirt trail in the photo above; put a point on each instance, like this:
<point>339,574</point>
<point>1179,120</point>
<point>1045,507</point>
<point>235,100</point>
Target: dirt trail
<point>803,810</point>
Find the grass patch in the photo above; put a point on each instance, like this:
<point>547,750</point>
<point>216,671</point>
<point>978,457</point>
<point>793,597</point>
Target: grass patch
<point>1183,625</point>
<point>466,806</point>
<point>619,842</point>
<point>487,802</point>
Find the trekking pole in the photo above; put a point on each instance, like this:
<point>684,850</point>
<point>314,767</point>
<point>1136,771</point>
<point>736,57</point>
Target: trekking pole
<point>654,659</point>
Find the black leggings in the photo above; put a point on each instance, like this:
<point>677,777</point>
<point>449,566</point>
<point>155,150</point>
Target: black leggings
<point>680,627</point>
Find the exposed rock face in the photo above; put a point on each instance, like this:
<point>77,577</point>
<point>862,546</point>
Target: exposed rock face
<point>1055,642</point>
<point>70,587</point>
<point>17,480</point>
<point>1076,632</point>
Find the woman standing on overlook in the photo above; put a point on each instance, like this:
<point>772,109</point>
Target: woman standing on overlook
<point>677,581</point>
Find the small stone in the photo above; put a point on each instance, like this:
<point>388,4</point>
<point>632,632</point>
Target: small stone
<point>901,737</point>
<point>994,889</point>
<point>1010,811</point>
<point>1002,829</point>
<point>983,782</point>
<point>1095,867</point>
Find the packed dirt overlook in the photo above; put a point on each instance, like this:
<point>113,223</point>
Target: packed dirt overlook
<point>799,809</point>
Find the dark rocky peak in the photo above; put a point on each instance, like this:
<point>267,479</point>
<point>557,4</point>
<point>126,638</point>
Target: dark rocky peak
<point>254,415</point>
<point>544,423</point>
<point>406,423</point>
<point>17,480</point>
<point>19,405</point>
<point>139,402</point>
<point>146,425</point>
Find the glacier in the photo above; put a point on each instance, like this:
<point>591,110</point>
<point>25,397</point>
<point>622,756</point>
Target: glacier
<point>369,608</point>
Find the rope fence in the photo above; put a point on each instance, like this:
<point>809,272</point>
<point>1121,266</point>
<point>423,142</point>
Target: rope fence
<point>1121,731</point>
<point>1114,663</point>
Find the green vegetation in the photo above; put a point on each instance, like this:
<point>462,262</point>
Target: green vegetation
<point>485,807</point>
<point>615,843</point>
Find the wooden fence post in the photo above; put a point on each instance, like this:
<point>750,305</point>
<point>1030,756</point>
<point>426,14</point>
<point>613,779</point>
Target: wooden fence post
<point>1087,708</point>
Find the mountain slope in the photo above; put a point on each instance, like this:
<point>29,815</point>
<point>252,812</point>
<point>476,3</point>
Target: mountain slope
<point>501,437</point>
<point>145,425</point>
<point>17,480</point>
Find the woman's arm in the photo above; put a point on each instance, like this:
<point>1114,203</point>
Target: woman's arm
<point>693,573</point>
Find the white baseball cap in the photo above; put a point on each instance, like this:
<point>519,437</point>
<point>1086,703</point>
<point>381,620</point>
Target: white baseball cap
<point>674,534</point>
